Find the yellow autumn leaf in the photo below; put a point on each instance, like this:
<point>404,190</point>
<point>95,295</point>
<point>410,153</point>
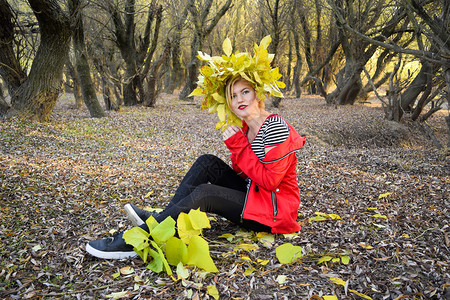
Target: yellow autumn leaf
<point>212,291</point>
<point>246,247</point>
<point>384,195</point>
<point>227,48</point>
<point>249,271</point>
<point>366,246</point>
<point>337,281</point>
<point>254,68</point>
<point>196,92</point>
<point>266,41</point>
<point>360,294</point>
<point>379,216</point>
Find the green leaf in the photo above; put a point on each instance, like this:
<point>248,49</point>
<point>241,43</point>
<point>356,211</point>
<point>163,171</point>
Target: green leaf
<point>345,259</point>
<point>198,255</point>
<point>324,259</point>
<point>151,223</point>
<point>182,272</point>
<point>288,253</point>
<point>227,236</point>
<point>265,237</point>
<point>379,216</point>
<point>156,264</point>
<point>162,259</point>
<point>176,251</point>
<point>137,237</point>
<point>227,48</point>
<point>199,219</point>
<point>164,230</point>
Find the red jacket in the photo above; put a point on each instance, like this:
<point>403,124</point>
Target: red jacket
<point>273,196</point>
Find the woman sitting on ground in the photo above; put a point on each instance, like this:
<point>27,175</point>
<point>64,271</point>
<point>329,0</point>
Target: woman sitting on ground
<point>259,191</point>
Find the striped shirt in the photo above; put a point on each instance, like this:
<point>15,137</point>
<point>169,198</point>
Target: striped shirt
<point>273,131</point>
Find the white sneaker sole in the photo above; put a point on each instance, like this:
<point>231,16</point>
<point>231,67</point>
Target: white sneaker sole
<point>110,255</point>
<point>134,218</point>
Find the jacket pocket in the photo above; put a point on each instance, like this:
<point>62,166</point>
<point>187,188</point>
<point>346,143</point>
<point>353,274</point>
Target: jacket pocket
<point>274,205</point>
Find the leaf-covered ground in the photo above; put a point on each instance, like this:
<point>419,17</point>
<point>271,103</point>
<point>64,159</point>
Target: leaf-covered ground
<point>65,182</point>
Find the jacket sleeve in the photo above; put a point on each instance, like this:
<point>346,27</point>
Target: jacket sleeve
<point>267,175</point>
<point>236,167</point>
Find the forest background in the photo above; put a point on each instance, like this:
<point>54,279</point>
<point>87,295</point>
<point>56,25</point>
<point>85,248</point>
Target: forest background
<point>359,75</point>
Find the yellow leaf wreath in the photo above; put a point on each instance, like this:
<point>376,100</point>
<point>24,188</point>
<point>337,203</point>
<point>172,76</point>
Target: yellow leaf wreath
<point>215,75</point>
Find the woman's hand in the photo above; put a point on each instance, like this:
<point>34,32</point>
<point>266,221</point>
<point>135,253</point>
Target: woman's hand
<point>230,131</point>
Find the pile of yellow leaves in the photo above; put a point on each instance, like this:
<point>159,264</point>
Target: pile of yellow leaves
<point>255,69</point>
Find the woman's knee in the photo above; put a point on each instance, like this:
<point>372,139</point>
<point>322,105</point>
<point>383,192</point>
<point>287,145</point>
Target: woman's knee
<point>206,159</point>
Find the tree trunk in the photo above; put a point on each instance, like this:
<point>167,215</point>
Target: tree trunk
<point>176,72</point>
<point>151,90</point>
<point>76,84</point>
<point>299,62</point>
<point>202,30</point>
<point>36,97</point>
<point>287,80</point>
<point>82,64</point>
<point>191,82</point>
<point>4,106</point>
<point>10,69</point>
<point>307,45</point>
<point>419,83</point>
<point>108,95</point>
<point>447,118</point>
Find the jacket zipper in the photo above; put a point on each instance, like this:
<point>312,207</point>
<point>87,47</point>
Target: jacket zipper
<point>287,154</point>
<point>274,205</point>
<point>245,201</point>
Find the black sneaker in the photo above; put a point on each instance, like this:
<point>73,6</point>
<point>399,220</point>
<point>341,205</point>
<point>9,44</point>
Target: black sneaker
<point>136,215</point>
<point>113,247</point>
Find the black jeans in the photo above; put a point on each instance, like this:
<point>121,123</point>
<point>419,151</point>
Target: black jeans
<point>214,187</point>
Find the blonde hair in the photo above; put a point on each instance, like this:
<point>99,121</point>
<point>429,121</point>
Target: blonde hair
<point>229,90</point>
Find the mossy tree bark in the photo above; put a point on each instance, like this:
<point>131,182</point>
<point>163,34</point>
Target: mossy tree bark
<point>82,64</point>
<point>37,95</point>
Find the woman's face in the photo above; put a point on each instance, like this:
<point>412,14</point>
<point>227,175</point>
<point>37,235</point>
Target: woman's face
<point>244,102</point>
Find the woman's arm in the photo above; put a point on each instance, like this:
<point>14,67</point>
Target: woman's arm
<point>267,175</point>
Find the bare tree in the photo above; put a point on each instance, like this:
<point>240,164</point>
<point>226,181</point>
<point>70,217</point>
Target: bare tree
<point>135,48</point>
<point>81,62</point>
<point>175,68</point>
<point>203,25</point>
<point>76,85</point>
<point>34,96</point>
